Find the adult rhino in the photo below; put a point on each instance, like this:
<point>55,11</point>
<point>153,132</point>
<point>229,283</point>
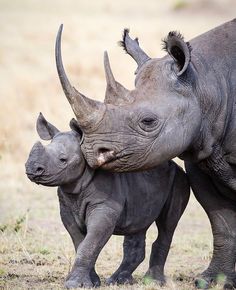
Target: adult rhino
<point>183,105</point>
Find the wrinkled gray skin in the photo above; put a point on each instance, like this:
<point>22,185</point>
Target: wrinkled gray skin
<point>96,204</point>
<point>183,105</point>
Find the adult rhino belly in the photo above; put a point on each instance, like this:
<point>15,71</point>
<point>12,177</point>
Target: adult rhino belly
<point>224,190</point>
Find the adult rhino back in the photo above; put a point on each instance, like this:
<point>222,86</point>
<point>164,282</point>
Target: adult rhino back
<point>220,41</point>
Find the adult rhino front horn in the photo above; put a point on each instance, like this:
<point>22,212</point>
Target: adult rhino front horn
<point>86,110</point>
<point>89,112</point>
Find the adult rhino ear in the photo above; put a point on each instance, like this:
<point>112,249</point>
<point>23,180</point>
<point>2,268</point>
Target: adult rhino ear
<point>45,129</point>
<point>75,127</point>
<point>131,46</point>
<point>179,50</point>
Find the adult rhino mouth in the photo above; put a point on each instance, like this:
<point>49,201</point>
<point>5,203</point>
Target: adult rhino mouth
<point>106,157</point>
<point>103,157</point>
<point>109,165</point>
<point>112,162</point>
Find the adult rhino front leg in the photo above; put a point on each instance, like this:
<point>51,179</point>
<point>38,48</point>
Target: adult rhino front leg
<point>166,224</point>
<point>133,255</point>
<point>74,232</point>
<point>222,214</point>
<point>100,226</point>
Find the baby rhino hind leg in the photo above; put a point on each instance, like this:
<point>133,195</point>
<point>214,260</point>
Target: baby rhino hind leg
<point>133,255</point>
<point>166,224</point>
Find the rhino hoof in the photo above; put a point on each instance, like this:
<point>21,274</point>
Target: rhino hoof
<point>70,284</point>
<point>201,283</point>
<point>95,279</point>
<point>154,276</point>
<point>158,281</point>
<point>120,279</point>
<point>228,286</point>
<point>77,283</point>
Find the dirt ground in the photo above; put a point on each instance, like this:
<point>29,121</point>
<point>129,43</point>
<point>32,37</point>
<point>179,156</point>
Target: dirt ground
<point>35,250</point>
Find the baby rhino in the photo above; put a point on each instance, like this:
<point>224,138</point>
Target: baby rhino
<point>95,204</point>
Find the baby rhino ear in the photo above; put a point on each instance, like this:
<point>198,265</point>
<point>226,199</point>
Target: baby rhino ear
<point>75,127</point>
<point>45,129</point>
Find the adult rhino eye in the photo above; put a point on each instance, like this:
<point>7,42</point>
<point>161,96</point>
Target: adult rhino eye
<point>148,121</point>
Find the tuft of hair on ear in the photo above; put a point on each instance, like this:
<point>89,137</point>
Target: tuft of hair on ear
<point>122,42</point>
<point>174,34</point>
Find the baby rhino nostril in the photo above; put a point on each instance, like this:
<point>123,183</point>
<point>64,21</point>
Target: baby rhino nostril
<point>39,170</point>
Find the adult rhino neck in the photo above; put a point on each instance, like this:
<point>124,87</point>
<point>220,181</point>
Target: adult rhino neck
<point>214,148</point>
<point>81,183</point>
<point>214,93</point>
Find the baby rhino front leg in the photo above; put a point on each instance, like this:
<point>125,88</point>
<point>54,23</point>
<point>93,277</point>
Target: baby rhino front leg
<point>100,226</point>
<point>76,235</point>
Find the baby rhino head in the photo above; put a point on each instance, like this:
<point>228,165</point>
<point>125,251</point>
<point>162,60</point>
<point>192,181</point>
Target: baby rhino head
<point>59,162</point>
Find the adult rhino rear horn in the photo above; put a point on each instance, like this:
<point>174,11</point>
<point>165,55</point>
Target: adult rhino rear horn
<point>116,93</point>
<point>87,111</point>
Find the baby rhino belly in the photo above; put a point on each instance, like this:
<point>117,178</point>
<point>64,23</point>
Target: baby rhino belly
<point>139,213</point>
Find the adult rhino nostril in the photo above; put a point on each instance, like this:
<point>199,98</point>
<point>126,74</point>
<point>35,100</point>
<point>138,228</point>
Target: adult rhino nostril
<point>103,150</point>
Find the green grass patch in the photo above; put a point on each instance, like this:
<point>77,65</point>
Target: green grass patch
<point>44,251</point>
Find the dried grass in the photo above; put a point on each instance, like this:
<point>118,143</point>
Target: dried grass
<point>40,253</point>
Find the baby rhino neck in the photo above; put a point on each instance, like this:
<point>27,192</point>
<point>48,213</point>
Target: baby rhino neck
<point>81,183</point>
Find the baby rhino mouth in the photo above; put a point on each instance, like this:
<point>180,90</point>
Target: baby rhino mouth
<point>44,179</point>
<point>35,177</point>
<point>34,170</point>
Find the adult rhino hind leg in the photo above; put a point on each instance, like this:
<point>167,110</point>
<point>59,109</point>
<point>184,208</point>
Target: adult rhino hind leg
<point>166,224</point>
<point>133,255</point>
<point>222,214</point>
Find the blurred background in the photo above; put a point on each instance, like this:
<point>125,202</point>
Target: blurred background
<point>30,229</point>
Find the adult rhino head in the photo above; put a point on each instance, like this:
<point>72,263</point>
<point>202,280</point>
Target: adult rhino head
<point>170,112</point>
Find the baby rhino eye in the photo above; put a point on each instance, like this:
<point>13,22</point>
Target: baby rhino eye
<point>63,160</point>
<point>148,121</point>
